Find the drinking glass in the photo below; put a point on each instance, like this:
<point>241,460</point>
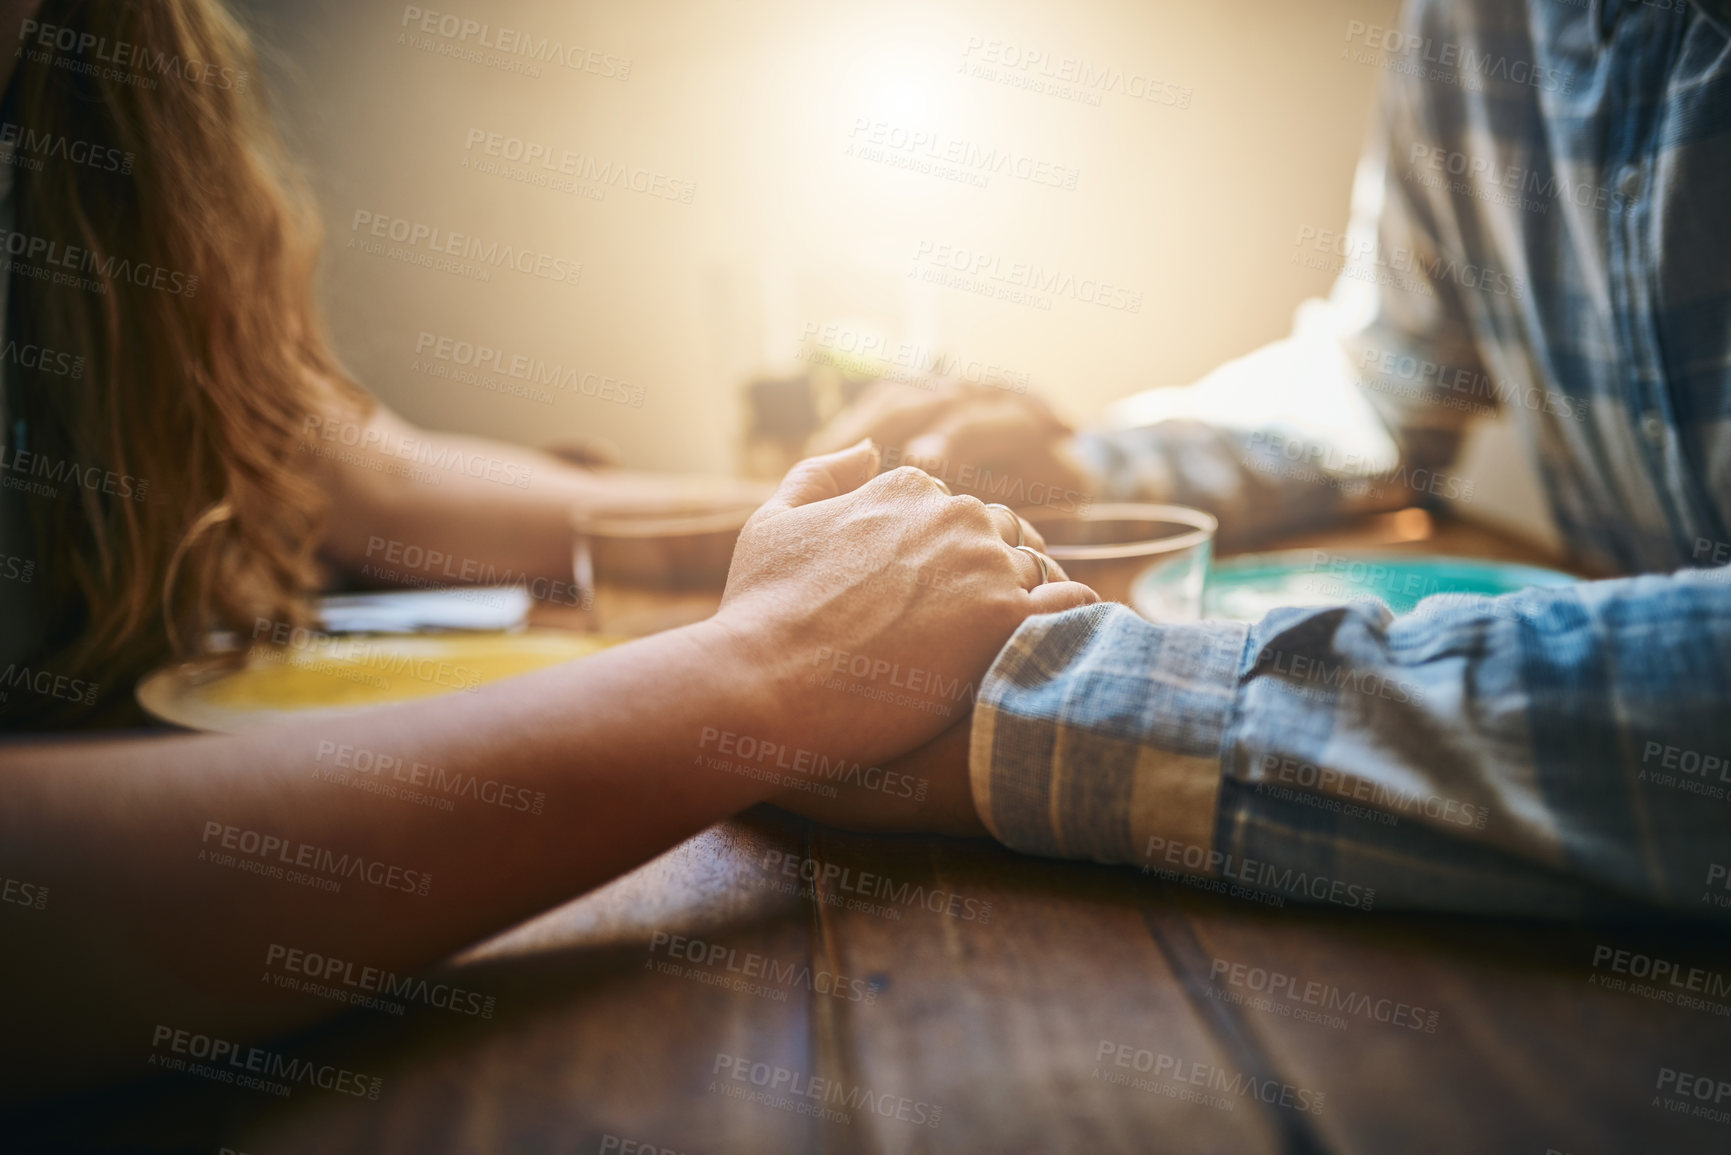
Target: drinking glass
<point>1153,558</point>
<point>643,572</point>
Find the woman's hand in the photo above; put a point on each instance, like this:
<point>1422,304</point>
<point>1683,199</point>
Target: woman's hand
<point>867,608</point>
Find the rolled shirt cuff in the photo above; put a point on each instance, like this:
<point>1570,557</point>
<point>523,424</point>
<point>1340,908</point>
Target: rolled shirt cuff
<point>1098,735</point>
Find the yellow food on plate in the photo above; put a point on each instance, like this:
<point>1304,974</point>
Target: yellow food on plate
<point>353,672</point>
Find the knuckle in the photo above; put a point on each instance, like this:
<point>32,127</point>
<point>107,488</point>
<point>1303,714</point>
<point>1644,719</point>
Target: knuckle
<point>803,473</point>
<point>967,508</point>
<point>905,476</point>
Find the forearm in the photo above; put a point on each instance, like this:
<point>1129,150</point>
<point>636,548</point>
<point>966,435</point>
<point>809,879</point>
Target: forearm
<point>1490,755</point>
<point>482,507</point>
<point>1272,443</point>
<point>1486,754</point>
<point>182,861</point>
<point>487,511</point>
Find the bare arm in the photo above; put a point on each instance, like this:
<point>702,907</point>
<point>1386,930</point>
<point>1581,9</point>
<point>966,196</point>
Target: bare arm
<point>173,866</point>
<point>152,851</point>
<point>475,500</point>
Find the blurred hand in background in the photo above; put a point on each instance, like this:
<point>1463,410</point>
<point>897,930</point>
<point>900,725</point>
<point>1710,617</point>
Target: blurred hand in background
<point>997,445</point>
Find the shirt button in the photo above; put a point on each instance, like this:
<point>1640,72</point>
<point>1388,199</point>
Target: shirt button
<point>1654,427</point>
<point>1629,185</point>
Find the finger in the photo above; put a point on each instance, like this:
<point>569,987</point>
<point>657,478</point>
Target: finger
<point>1032,536</point>
<point>821,478</point>
<point>586,452</point>
<point>1045,567</point>
<point>888,413</point>
<point>1014,528</point>
<point>1000,395</point>
<point>1008,525</point>
<point>987,422</point>
<point>975,435</point>
<point>1037,569</point>
<point>1055,597</point>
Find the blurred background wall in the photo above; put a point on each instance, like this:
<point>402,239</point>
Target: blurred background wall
<point>799,164</point>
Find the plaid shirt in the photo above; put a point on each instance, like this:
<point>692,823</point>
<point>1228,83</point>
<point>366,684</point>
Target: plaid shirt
<point>1542,227</point>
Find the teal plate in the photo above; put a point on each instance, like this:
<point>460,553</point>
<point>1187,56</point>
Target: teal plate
<point>1245,588</point>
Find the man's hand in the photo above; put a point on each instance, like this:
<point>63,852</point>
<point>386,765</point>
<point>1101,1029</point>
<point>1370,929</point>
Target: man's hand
<point>925,792</point>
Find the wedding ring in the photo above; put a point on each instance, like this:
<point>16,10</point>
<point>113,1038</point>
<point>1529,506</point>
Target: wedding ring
<point>1045,566</point>
<point>1015,520</point>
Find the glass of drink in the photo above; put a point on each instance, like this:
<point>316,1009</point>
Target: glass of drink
<point>1153,558</point>
<point>642,572</point>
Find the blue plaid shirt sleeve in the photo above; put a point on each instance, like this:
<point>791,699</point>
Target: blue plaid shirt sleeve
<point>1544,243</point>
<point>1548,752</point>
<point>1389,349</point>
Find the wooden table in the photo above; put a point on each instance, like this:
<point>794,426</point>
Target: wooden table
<point>992,1003</point>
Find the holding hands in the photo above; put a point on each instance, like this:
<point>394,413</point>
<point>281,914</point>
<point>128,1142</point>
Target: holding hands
<point>870,606</point>
<point>998,445</point>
